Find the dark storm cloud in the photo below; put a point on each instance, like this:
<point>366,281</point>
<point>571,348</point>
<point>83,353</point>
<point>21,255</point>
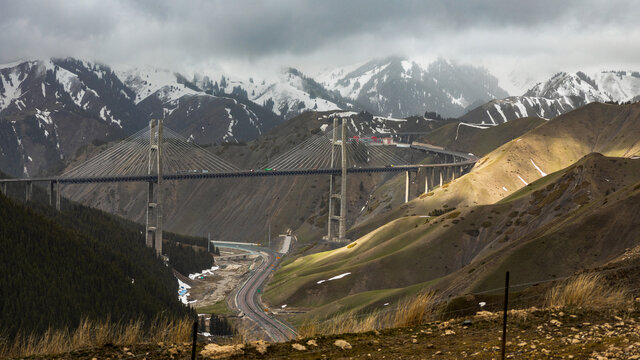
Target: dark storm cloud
<point>191,32</point>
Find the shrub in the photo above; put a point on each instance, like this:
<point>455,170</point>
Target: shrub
<point>586,290</point>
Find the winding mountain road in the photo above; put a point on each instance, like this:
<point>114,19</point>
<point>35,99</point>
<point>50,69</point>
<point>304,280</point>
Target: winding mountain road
<point>247,298</point>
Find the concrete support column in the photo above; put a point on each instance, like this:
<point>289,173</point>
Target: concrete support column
<point>159,191</point>
<point>50,193</point>
<point>58,190</point>
<point>28,191</point>
<point>406,187</point>
<point>343,186</point>
<point>332,179</point>
<point>154,210</point>
<point>453,173</point>
<point>4,188</point>
<point>426,180</point>
<point>150,237</point>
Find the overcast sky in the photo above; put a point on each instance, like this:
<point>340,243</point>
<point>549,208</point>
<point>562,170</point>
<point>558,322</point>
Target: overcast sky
<point>517,40</point>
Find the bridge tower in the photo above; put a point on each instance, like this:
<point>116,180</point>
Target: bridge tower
<point>341,218</point>
<point>154,210</point>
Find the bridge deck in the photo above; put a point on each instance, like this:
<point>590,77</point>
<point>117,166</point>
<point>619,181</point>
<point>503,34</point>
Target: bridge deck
<point>469,160</point>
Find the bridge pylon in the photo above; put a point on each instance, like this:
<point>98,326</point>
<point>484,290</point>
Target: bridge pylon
<point>154,209</point>
<point>341,217</point>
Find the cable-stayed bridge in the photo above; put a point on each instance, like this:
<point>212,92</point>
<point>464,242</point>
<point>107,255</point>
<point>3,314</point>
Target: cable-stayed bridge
<point>156,154</point>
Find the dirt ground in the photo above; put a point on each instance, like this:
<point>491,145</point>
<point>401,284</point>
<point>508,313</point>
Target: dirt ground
<point>532,334</point>
<point>215,288</point>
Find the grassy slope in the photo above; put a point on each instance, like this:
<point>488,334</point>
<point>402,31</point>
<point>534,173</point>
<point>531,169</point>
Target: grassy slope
<point>534,236</point>
<point>388,200</point>
<point>608,129</point>
<point>386,258</point>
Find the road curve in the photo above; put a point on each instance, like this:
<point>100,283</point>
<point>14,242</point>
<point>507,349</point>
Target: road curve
<point>247,298</point>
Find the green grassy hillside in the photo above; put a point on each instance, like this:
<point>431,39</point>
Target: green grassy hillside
<point>559,224</point>
<point>493,229</point>
<point>612,130</point>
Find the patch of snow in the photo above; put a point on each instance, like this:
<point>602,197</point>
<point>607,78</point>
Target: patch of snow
<point>44,116</point>
<point>521,179</point>
<point>542,173</point>
<point>204,273</point>
<point>339,276</point>
<point>504,118</point>
<point>522,108</point>
<point>11,89</point>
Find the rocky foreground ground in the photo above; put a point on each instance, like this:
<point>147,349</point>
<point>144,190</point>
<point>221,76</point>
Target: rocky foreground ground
<point>532,334</point>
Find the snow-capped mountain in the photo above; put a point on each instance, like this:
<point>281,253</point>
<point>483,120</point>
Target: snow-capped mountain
<point>50,108</point>
<point>563,92</point>
<point>399,87</point>
<point>288,94</point>
<point>194,109</point>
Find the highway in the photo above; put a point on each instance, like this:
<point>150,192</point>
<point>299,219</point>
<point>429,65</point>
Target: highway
<point>247,298</point>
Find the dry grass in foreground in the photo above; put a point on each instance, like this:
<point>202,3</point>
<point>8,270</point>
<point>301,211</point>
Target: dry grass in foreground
<point>411,311</point>
<point>98,333</point>
<point>587,291</point>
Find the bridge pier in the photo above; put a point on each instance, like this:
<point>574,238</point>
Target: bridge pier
<point>50,193</point>
<point>4,188</point>
<point>406,187</point>
<point>341,218</point>
<point>28,191</point>
<point>58,188</point>
<point>153,237</point>
<point>440,172</point>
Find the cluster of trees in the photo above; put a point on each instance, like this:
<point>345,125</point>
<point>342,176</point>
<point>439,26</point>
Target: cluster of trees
<point>60,267</point>
<point>187,259</point>
<point>218,325</point>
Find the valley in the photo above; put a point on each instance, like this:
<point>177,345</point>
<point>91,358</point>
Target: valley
<point>274,180</point>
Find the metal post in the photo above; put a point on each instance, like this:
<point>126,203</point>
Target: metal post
<point>504,320</point>
<point>332,180</point>
<point>195,340</point>
<point>342,230</point>
<point>406,187</point>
